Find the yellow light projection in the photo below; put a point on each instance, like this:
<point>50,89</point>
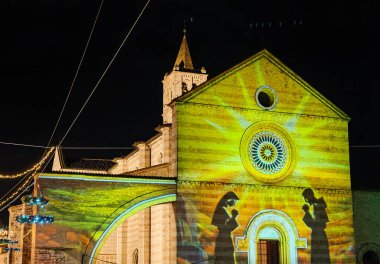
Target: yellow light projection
<point>267,152</point>
<point>263,166</point>
<point>87,208</point>
<point>212,122</point>
<point>209,224</point>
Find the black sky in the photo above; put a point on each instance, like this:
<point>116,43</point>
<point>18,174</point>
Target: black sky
<point>332,45</point>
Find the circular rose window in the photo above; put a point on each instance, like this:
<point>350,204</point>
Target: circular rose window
<point>267,152</point>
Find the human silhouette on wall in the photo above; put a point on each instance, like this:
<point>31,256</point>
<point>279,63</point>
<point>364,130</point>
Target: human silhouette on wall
<point>225,221</point>
<point>317,222</point>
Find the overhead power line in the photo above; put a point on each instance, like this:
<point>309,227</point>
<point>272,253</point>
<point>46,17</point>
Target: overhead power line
<point>121,147</point>
<point>4,203</point>
<point>22,145</point>
<point>105,71</point>
<point>32,169</point>
<point>30,175</point>
<point>95,148</point>
<point>75,147</point>
<point>76,73</point>
<point>80,111</point>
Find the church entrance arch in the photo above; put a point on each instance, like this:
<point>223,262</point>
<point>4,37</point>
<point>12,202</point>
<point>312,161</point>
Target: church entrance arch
<point>273,230</point>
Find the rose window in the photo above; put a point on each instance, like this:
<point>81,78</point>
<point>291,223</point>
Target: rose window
<point>267,152</point>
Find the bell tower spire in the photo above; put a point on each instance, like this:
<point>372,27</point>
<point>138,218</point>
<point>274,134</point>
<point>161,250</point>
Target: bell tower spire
<point>182,79</point>
<point>183,61</point>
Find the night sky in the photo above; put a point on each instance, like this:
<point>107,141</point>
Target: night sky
<point>332,45</point>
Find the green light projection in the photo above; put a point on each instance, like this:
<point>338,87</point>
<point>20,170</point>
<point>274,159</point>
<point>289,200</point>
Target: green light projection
<point>85,207</point>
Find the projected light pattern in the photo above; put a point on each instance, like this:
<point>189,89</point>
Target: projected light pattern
<point>313,131</point>
<point>85,208</point>
<point>267,157</point>
<point>267,152</point>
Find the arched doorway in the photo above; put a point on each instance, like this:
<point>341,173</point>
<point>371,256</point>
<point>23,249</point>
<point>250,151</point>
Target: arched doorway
<point>271,236</point>
<point>268,246</point>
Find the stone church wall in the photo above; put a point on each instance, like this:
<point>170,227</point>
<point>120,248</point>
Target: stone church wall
<point>366,220</point>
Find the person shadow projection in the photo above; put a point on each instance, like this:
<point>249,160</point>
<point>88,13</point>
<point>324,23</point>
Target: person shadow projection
<point>317,222</point>
<point>225,221</point>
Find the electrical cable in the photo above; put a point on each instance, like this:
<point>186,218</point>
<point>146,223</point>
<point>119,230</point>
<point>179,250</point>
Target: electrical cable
<point>40,146</point>
<point>100,79</point>
<point>8,204</point>
<point>20,189</point>
<point>97,147</point>
<point>104,73</point>
<point>22,145</point>
<point>76,73</point>
<point>34,168</point>
<point>45,147</point>
<point>61,113</point>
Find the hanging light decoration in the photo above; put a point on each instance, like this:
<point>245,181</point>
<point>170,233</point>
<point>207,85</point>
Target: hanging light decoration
<point>5,241</point>
<point>7,249</point>
<point>34,168</point>
<point>35,219</point>
<point>40,201</point>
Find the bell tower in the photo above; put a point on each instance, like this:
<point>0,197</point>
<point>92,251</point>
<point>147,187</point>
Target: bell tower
<point>182,79</point>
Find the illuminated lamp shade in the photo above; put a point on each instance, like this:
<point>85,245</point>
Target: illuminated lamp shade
<point>11,249</point>
<point>7,249</point>
<point>7,241</point>
<point>35,219</point>
<point>40,201</point>
<point>267,152</point>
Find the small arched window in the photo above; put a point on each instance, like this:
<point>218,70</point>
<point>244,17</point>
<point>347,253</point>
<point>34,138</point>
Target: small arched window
<point>184,87</point>
<point>160,158</point>
<point>135,256</point>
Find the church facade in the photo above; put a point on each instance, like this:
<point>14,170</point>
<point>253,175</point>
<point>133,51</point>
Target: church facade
<point>251,166</point>
<point>263,170</point>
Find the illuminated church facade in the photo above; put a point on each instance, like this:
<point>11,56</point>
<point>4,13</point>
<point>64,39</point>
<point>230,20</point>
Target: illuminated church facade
<point>251,166</point>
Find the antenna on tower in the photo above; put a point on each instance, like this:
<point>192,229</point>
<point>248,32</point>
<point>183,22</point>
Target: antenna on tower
<point>185,20</point>
<point>184,26</point>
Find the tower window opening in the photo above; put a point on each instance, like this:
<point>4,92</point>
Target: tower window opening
<point>135,256</point>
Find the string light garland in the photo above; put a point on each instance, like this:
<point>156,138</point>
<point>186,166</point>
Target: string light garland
<point>27,180</point>
<point>21,188</point>
<point>34,219</point>
<point>34,168</point>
